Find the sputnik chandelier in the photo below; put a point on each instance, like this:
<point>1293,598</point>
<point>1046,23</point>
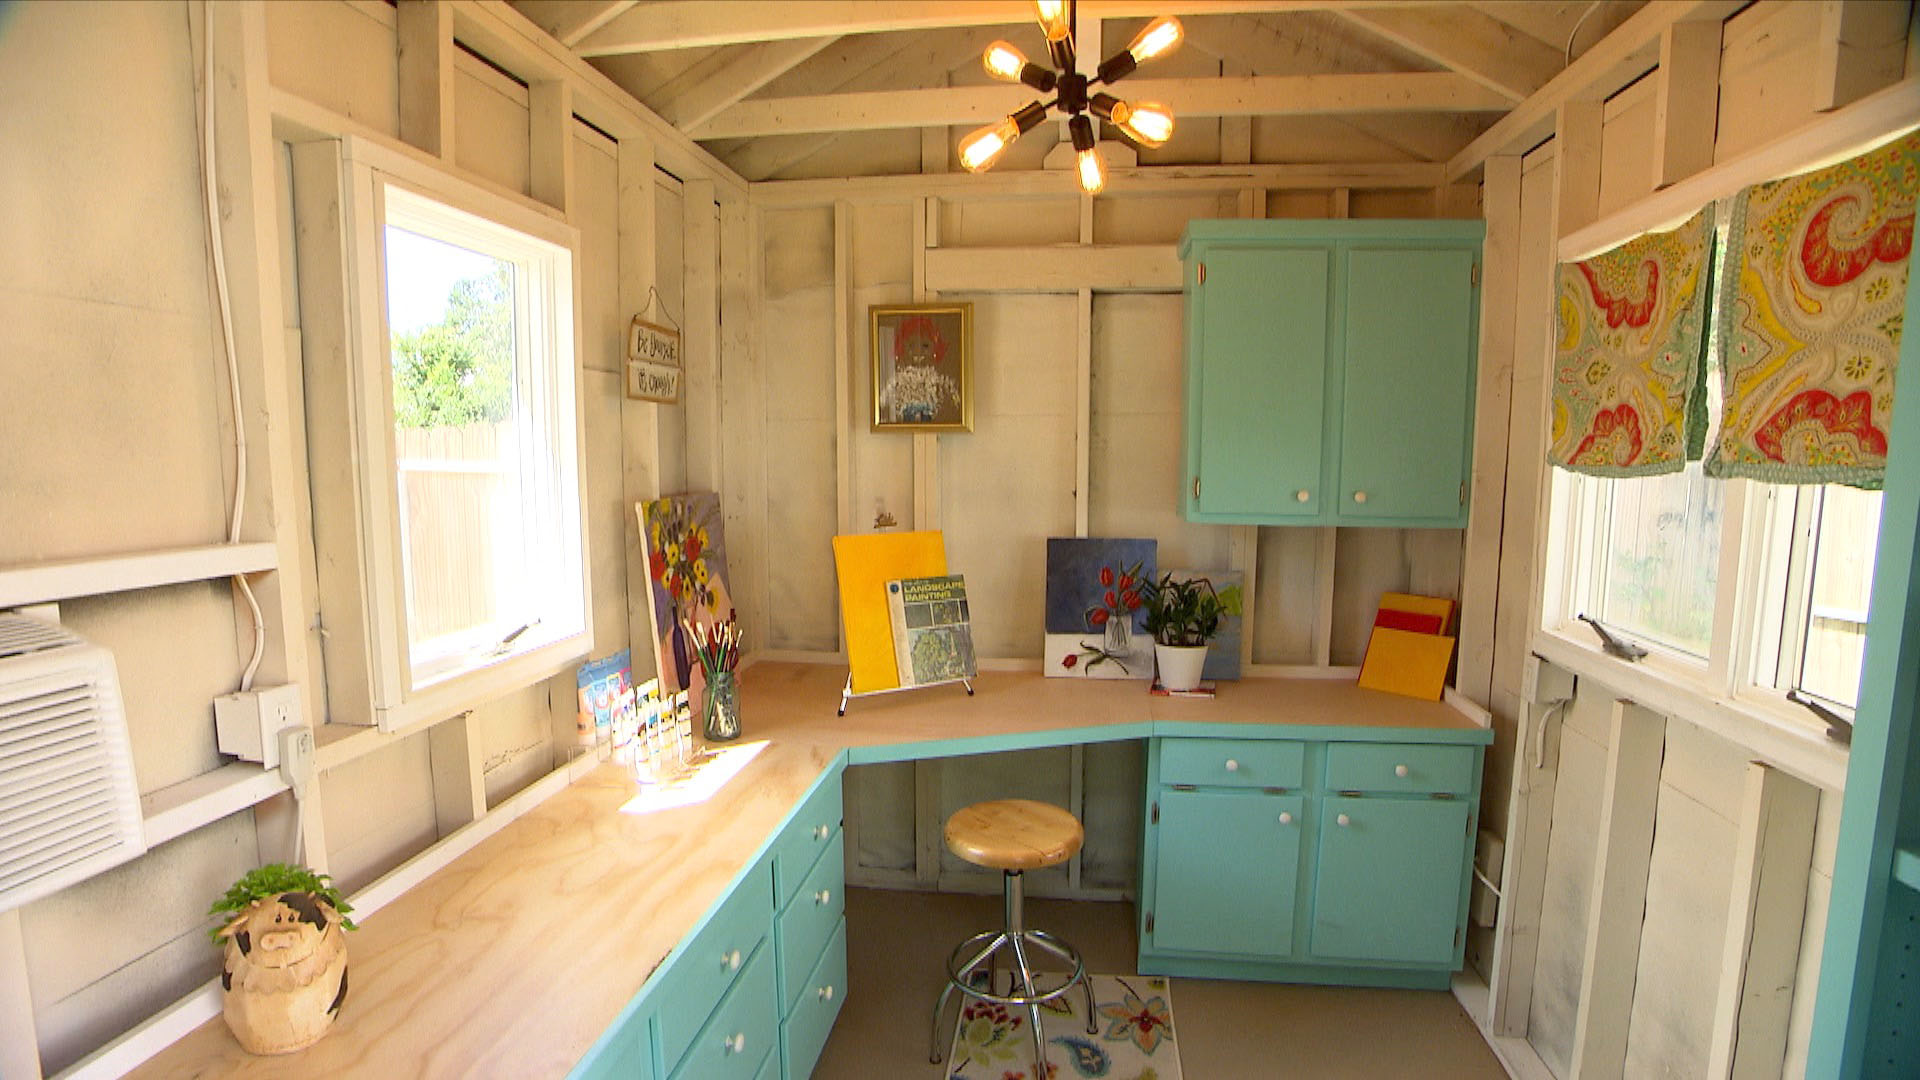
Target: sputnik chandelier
<point>1145,122</point>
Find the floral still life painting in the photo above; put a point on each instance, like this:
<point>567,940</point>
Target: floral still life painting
<point>687,580</point>
<point>922,367</point>
<point>1133,1039</point>
<point>1096,608</point>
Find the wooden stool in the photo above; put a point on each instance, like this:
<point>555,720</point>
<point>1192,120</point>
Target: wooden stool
<point>1013,836</point>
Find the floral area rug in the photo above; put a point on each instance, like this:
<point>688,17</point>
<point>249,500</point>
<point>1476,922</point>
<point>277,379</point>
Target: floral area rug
<point>1135,1040</point>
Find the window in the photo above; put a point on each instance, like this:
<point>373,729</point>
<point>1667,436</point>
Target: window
<point>1826,540</point>
<point>1661,558</point>
<point>455,538</point>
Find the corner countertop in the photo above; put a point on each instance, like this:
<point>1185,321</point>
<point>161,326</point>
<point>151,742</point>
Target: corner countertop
<point>514,958</point>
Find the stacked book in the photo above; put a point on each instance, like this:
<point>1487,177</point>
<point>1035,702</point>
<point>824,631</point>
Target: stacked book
<point>1411,646</point>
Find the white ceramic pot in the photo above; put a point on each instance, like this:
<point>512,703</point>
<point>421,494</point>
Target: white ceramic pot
<point>1180,665</point>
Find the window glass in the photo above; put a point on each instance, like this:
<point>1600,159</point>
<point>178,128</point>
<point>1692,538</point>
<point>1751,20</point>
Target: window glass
<point>1661,558</point>
<point>1835,632</point>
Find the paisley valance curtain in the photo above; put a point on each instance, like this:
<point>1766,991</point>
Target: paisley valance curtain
<point>1810,318</point>
<point>1629,365</point>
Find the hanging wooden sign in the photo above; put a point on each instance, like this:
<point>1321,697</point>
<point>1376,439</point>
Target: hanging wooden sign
<point>653,362</point>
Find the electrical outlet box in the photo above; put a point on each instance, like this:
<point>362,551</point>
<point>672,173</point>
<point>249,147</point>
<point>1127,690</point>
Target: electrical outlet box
<point>1541,682</point>
<point>248,724</point>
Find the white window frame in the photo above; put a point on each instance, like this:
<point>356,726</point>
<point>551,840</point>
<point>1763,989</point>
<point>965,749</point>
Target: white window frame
<point>408,689</point>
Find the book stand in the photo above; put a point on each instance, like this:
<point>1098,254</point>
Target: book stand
<point>847,694</point>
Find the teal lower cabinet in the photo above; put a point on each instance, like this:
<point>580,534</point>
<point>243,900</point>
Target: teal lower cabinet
<point>625,1052</point>
<point>1350,869</point>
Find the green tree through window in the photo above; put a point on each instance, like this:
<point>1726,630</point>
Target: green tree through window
<point>459,370</point>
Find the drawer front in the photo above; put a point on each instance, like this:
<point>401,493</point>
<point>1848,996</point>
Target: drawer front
<point>742,1030</point>
<point>1397,767</point>
<point>1255,763</point>
<point>804,1034</point>
<point>810,918</point>
<point>624,1053</point>
<point>715,960</point>
<point>770,1069</point>
<point>814,828</point>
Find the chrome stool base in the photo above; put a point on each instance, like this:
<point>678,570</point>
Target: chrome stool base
<point>1024,989</point>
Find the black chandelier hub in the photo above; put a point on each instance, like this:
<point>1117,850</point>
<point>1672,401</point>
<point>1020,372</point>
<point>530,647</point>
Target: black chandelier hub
<point>1073,92</point>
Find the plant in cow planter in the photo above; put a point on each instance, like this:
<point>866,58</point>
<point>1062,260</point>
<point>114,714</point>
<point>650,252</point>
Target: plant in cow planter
<point>284,976</point>
<point>1183,614</point>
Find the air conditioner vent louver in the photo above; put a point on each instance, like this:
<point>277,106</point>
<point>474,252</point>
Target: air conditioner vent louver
<point>69,807</point>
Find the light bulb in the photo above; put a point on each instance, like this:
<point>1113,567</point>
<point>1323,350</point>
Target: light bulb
<point>1054,18</point>
<point>1158,39</point>
<point>979,150</point>
<point>1146,122</point>
<point>1004,62</point>
<point>1093,171</point>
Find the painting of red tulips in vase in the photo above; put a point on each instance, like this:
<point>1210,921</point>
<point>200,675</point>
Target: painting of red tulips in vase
<point>1096,608</point>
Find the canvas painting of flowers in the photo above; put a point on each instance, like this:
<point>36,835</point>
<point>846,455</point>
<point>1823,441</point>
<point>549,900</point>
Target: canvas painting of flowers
<point>687,580</point>
<point>1096,608</point>
<point>922,367</point>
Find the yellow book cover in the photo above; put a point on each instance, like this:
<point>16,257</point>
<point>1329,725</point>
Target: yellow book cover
<point>1421,605</point>
<point>865,563</point>
<point>1402,662</point>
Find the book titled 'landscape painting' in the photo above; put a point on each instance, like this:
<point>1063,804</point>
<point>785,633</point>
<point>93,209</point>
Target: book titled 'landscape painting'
<point>932,637</point>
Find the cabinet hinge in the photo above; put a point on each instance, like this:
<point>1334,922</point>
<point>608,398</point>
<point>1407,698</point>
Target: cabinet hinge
<point>1196,487</point>
<point>1183,787</point>
<point>1200,274</point>
<point>1456,937</point>
<point>1446,795</point>
<point>1156,812</point>
<point>1476,275</point>
<point>1463,494</point>
<point>1149,922</point>
<point>1350,794</point>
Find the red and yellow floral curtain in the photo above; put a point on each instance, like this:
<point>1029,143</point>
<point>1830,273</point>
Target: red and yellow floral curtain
<point>1810,318</point>
<point>1629,387</point>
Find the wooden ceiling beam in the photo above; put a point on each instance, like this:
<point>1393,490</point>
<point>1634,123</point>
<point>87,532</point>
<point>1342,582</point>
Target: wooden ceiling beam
<point>1252,95</point>
<point>754,67</point>
<point>1483,49</point>
<point>684,24</point>
<point>571,20</point>
<point>1618,59</point>
<point>1132,179</point>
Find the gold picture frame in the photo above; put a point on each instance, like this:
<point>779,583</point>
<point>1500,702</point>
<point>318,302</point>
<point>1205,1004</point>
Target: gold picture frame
<point>922,365</point>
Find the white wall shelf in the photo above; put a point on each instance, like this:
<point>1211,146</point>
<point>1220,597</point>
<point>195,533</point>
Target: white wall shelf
<point>184,807</point>
<point>38,583</point>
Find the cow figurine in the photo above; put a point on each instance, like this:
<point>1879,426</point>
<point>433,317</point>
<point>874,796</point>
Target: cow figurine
<point>285,972</point>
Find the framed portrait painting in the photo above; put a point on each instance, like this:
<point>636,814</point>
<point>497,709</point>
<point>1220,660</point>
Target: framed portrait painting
<point>922,367</point>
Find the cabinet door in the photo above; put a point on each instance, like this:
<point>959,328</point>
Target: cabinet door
<point>625,1053</point>
<point>1389,879</point>
<point>1226,871</point>
<point>1407,401</point>
<point>1256,382</point>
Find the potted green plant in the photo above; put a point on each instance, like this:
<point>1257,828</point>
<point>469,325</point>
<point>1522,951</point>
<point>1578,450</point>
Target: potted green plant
<point>1183,614</point>
<point>284,975</point>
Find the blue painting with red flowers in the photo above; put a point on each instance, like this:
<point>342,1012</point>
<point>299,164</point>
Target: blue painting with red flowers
<point>1096,608</point>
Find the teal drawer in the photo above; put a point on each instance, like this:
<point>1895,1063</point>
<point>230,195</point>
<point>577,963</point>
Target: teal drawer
<point>735,1042</point>
<point>810,918</point>
<point>1255,763</point>
<point>804,1033</point>
<point>770,1069</point>
<point>713,961</point>
<point>625,1052</point>
<point>812,829</point>
<point>1397,767</point>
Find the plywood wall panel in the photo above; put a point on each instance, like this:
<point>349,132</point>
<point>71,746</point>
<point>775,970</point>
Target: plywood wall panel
<point>1287,604</point>
<point>1009,485</point>
<point>516,741</point>
<point>105,954</point>
<point>609,516</point>
<point>1299,204</point>
<point>856,153</point>
<point>1413,203</point>
<point>1155,219</point>
<point>1766,74</point>
<point>1563,907</point>
<point>1009,222</point>
<point>1115,780</point>
<point>486,101</point>
<point>1366,563</point>
<point>881,799</point>
<point>882,271</point>
<point>669,278</point>
<point>596,212</point>
<point>1627,160</point>
<point>1041,775</point>
<point>802,600</point>
<point>355,75</point>
<point>379,812</point>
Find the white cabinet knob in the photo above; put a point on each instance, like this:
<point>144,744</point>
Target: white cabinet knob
<point>1286,818</point>
<point>826,993</point>
<point>731,960</point>
<point>823,896</point>
<point>1344,820</point>
<point>1232,765</point>
<point>736,1043</point>
<point>1359,496</point>
<point>1400,771</point>
<point>821,832</point>
<point>1300,496</point>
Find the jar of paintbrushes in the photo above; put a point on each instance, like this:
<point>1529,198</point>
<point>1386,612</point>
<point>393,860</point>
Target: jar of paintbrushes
<point>717,648</point>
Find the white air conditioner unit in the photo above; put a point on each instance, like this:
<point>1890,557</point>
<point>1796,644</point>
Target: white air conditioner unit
<point>69,806</point>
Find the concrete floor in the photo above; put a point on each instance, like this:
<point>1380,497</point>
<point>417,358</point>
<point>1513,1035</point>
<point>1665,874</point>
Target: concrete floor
<point>896,942</point>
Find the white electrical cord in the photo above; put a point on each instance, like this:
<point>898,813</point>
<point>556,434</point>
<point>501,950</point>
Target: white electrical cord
<point>210,183</point>
<point>1582,21</point>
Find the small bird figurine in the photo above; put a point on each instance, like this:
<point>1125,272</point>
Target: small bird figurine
<point>1614,646</point>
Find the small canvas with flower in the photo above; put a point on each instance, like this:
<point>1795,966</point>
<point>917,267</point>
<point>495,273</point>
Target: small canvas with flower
<point>687,580</point>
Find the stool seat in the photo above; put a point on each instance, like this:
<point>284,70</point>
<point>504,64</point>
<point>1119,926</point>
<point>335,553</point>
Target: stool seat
<point>1014,834</point>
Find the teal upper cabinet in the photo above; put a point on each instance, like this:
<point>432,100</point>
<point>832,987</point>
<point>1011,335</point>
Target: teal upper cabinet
<point>1330,371</point>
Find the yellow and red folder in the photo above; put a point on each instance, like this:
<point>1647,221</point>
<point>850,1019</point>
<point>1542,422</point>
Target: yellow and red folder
<point>1411,647</point>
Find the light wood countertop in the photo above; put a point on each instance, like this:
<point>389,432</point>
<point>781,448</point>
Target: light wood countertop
<point>513,959</point>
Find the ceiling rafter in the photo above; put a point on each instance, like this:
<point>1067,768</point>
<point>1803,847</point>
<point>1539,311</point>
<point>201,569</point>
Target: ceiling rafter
<point>1478,46</point>
<point>571,20</point>
<point>743,73</point>
<point>681,24</point>
<point>1255,95</point>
